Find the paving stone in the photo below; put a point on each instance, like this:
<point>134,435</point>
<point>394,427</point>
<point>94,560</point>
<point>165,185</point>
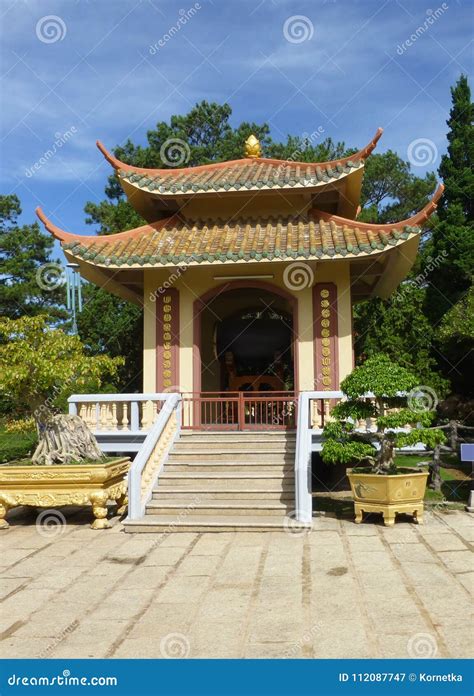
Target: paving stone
<point>181,539</point>
<point>467,579</point>
<point>215,639</point>
<point>413,553</point>
<point>410,645</point>
<point>276,650</point>
<point>9,585</point>
<point>167,556</point>
<point>146,576</point>
<point>357,600</point>
<point>163,618</point>
<point>343,639</point>
<point>445,542</point>
<point>198,565</point>
<point>458,561</point>
<point>178,589</point>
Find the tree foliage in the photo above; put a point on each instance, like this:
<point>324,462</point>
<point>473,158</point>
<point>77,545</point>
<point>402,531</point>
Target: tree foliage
<point>119,332</point>
<point>24,252</point>
<point>40,366</point>
<point>391,386</point>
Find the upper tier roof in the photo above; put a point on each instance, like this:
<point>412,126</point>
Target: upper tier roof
<point>247,174</point>
<point>175,240</point>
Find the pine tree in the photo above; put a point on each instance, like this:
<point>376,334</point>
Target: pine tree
<point>30,281</point>
<point>453,236</point>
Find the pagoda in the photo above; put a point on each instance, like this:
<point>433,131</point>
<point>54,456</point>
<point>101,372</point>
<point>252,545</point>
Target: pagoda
<point>247,270</point>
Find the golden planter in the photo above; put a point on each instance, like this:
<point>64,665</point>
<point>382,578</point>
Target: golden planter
<point>54,486</point>
<point>388,494</point>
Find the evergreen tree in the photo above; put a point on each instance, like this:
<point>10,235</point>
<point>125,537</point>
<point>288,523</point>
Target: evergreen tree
<point>453,236</point>
<point>30,283</point>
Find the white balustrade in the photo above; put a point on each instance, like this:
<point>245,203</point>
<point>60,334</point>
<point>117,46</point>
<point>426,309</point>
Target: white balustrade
<point>109,413</point>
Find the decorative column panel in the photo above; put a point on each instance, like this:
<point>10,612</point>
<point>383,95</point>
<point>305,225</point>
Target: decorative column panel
<point>325,335</point>
<point>167,341</point>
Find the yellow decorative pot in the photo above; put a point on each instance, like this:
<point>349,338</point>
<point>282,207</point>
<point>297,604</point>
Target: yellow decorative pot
<point>389,494</point>
<point>54,486</point>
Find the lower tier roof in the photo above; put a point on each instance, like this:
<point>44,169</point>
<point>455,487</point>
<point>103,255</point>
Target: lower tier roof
<point>177,240</point>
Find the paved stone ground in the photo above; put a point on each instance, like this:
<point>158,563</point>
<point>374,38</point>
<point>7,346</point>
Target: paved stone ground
<point>340,591</point>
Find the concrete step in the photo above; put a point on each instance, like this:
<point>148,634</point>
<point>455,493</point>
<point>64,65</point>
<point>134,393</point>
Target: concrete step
<point>237,445</point>
<point>192,468</point>
<point>216,523</point>
<point>236,435</point>
<point>223,482</point>
<point>209,455</point>
<point>235,507</point>
<point>193,495</point>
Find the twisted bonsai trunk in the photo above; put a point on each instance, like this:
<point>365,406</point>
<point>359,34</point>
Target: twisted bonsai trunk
<point>385,456</point>
<point>63,439</point>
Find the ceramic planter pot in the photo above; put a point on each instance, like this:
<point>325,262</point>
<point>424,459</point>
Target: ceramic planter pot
<point>389,494</point>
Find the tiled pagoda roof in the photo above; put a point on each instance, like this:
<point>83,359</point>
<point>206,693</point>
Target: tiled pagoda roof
<point>176,240</point>
<point>247,174</point>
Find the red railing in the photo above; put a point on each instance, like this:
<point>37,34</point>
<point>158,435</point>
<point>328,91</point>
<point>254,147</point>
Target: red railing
<point>239,411</point>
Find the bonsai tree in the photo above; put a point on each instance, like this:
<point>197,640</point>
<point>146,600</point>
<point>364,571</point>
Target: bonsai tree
<point>390,386</point>
<point>39,368</point>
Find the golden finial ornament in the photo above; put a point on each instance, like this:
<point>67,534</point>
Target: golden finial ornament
<point>252,147</point>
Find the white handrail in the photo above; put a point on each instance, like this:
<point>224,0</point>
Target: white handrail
<point>105,398</point>
<point>303,491</point>
<point>136,504</point>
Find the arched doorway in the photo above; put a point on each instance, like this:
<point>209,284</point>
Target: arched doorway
<point>245,357</point>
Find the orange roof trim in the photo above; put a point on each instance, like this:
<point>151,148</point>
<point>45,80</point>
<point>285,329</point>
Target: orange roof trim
<point>415,220</point>
<point>178,221</point>
<point>118,164</point>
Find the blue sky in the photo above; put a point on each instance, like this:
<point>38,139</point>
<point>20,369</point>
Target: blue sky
<point>94,71</point>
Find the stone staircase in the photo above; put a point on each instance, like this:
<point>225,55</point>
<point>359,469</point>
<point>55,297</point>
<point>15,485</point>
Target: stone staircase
<point>224,481</point>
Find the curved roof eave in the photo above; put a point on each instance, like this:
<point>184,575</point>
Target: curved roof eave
<point>413,221</point>
<point>118,164</point>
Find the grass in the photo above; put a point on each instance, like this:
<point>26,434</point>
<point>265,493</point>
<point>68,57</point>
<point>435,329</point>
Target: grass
<point>455,487</point>
<point>455,476</point>
<point>16,445</point>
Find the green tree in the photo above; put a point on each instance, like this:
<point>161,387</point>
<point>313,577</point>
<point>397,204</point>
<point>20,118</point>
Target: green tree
<point>397,326</point>
<point>25,259</point>
<point>396,405</point>
<point>453,240</point>
<point>118,333</point>
<point>390,190</point>
<point>453,236</point>
<point>39,368</point>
